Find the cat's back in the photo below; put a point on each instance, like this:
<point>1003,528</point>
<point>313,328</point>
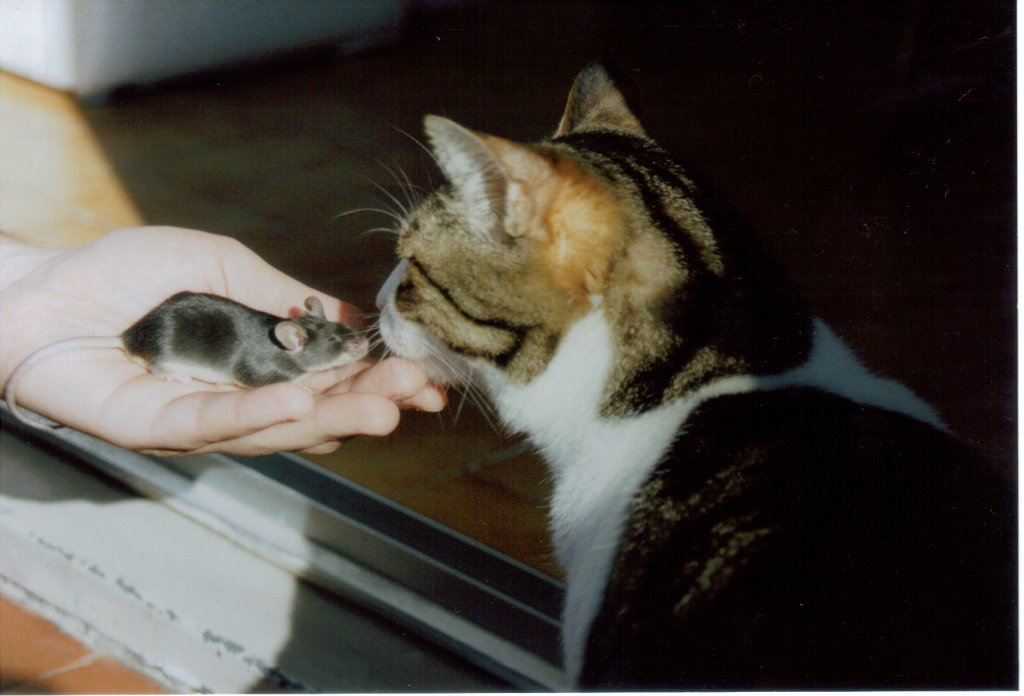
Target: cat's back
<point>795,539</point>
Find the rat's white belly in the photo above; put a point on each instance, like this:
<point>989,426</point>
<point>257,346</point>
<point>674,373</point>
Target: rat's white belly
<point>185,372</point>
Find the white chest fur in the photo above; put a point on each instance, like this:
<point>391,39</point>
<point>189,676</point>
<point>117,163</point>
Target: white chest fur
<point>599,465</point>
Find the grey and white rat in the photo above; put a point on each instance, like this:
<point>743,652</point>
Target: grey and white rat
<point>208,338</point>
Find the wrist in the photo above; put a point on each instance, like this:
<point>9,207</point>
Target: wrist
<point>18,263</point>
<point>18,259</point>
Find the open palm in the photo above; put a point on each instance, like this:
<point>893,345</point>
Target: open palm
<point>102,288</point>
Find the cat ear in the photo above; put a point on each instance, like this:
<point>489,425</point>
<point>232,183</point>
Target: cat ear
<point>595,103</point>
<point>290,335</point>
<point>470,167</point>
<point>496,178</point>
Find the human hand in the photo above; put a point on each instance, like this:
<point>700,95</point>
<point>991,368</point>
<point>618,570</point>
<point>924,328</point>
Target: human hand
<point>101,288</point>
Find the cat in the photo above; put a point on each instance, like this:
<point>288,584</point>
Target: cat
<point>737,502</point>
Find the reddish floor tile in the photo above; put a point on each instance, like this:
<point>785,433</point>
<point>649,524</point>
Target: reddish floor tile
<point>104,676</point>
<point>37,657</point>
<point>31,646</point>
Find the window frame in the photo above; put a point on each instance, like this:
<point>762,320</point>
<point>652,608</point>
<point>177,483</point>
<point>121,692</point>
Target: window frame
<point>492,610</point>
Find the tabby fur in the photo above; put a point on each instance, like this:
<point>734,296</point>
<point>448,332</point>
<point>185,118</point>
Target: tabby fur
<point>738,503</point>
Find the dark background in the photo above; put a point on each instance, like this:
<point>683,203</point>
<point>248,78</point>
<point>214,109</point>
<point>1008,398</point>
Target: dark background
<point>872,145</point>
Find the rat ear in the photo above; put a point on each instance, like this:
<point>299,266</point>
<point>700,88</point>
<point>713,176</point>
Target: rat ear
<point>290,335</point>
<point>315,307</point>
<point>595,103</point>
<point>495,178</point>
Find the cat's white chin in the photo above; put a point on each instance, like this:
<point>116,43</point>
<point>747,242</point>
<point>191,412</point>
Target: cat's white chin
<point>408,340</point>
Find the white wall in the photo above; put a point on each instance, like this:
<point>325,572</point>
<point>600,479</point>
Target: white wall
<point>91,46</point>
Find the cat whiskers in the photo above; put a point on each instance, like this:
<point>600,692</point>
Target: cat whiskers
<point>394,231</point>
<point>454,374</point>
<point>405,185</point>
<point>430,153</point>
<point>373,335</point>
<point>465,381</point>
<point>410,190</point>
<point>482,403</point>
<point>397,209</point>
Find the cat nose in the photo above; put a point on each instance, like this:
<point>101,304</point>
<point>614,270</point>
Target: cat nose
<point>391,284</point>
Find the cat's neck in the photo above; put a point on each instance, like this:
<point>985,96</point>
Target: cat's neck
<point>557,407</point>
<point>596,462</point>
<point>592,458</point>
<point>561,410</point>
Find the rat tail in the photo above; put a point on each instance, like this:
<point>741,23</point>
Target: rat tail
<point>11,390</point>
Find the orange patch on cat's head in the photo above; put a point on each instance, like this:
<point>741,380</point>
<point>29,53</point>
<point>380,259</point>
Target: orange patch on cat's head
<point>584,227</point>
<point>573,218</point>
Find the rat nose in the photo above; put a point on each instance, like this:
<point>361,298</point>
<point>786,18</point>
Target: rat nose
<point>391,284</point>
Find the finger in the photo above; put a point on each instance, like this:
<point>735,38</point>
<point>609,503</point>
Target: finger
<point>431,399</point>
<point>394,378</point>
<point>198,419</point>
<point>335,418</point>
<point>403,382</point>
<point>325,448</point>
<point>338,379</point>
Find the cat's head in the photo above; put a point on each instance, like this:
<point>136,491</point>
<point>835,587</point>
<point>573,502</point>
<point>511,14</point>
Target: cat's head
<point>523,241</point>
